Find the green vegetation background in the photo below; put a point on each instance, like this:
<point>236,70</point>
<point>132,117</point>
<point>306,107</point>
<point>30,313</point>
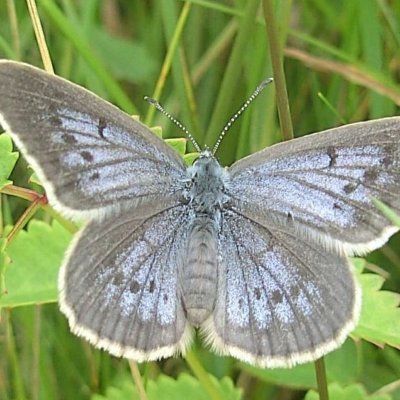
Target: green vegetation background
<point>342,64</point>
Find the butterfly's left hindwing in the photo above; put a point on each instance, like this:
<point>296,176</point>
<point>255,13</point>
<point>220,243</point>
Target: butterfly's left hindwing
<point>281,300</point>
<point>119,285</point>
<point>324,184</point>
<point>91,157</point>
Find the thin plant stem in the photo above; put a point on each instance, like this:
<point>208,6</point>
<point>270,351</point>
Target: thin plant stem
<point>35,378</point>
<point>37,27</point>
<point>137,378</point>
<point>12,15</point>
<point>25,217</point>
<point>321,379</point>
<point>17,381</point>
<point>232,72</point>
<point>202,375</point>
<point>31,195</point>
<point>388,389</point>
<point>277,67</point>
<point>166,67</point>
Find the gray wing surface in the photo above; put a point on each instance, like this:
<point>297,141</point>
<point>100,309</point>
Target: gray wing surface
<point>119,286</point>
<point>281,300</point>
<point>324,184</point>
<point>90,155</point>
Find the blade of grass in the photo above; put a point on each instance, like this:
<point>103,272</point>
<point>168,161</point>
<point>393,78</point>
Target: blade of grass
<point>181,79</point>
<point>275,47</point>
<point>202,375</point>
<point>35,377</point>
<point>16,42</point>
<point>232,73</point>
<point>137,378</point>
<point>77,38</point>
<point>349,71</point>
<point>172,48</point>
<point>41,41</point>
<point>321,379</point>
<point>17,381</point>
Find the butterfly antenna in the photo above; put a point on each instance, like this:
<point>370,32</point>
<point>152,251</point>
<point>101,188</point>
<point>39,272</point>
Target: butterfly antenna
<point>256,92</point>
<point>160,108</point>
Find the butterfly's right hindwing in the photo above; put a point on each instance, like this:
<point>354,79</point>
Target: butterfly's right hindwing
<point>91,156</point>
<point>119,286</point>
<point>281,300</point>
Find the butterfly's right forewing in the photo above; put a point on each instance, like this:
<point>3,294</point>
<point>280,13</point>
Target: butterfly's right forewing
<point>324,184</point>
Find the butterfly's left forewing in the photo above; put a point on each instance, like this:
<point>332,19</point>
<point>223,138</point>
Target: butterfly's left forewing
<point>281,299</point>
<point>119,285</point>
<point>324,184</point>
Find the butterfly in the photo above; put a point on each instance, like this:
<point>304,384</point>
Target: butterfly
<point>254,255</point>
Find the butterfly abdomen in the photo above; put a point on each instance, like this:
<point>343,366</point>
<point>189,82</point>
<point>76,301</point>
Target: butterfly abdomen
<point>199,271</point>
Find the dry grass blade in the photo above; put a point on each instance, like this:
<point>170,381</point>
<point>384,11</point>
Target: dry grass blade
<point>349,72</point>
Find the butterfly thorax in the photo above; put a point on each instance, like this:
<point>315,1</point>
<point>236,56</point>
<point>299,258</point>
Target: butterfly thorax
<point>205,192</point>
<point>206,184</point>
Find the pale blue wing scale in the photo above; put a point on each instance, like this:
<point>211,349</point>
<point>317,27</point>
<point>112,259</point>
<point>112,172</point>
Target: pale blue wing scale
<point>119,285</point>
<point>281,300</point>
<point>91,156</point>
<point>324,184</point>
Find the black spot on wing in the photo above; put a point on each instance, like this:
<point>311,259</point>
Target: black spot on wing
<point>350,187</point>
<point>118,279</point>
<point>102,125</point>
<point>134,287</point>
<point>388,159</point>
<point>152,286</point>
<point>331,151</point>
<point>276,296</point>
<point>336,206</point>
<point>69,139</point>
<point>370,175</point>
<point>87,155</point>
<point>94,176</point>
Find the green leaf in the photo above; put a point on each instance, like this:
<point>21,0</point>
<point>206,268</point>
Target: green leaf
<point>353,392</point>
<point>36,255</point>
<point>341,366</point>
<point>123,388</point>
<point>298,377</point>
<point>188,387</point>
<point>118,53</point>
<point>8,158</point>
<point>358,264</point>
<point>178,144</point>
<point>189,158</point>
<point>165,388</point>
<point>380,315</point>
<point>157,130</point>
<point>35,179</point>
